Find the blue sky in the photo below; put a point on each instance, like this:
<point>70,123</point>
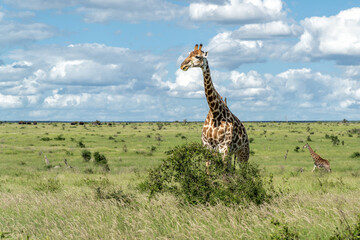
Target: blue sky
<point>118,60</point>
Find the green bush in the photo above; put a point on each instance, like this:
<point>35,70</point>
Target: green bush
<point>355,155</point>
<point>86,155</point>
<point>80,144</point>
<point>99,158</point>
<point>45,139</point>
<point>59,138</point>
<point>335,140</point>
<point>183,174</point>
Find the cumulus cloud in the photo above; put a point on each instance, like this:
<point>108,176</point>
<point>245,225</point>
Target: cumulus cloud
<point>17,33</point>
<point>251,93</point>
<point>187,84</point>
<point>14,33</point>
<point>237,11</point>
<point>105,10</point>
<point>252,43</point>
<point>131,11</point>
<point>93,64</point>
<point>335,37</point>
<point>10,101</point>
<point>66,100</point>
<point>83,78</point>
<point>267,30</point>
<point>228,50</point>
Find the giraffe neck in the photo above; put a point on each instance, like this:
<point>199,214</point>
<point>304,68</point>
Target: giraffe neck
<point>212,96</point>
<point>312,153</point>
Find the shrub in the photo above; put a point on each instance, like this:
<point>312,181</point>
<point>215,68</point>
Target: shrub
<point>45,139</point>
<point>296,149</point>
<point>355,155</point>
<point>80,144</point>
<point>160,125</point>
<point>100,158</point>
<point>183,174</point>
<point>335,140</point>
<point>86,155</point>
<point>59,138</point>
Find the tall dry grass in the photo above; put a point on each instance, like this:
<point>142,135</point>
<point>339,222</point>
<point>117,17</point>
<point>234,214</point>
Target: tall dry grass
<point>72,216</point>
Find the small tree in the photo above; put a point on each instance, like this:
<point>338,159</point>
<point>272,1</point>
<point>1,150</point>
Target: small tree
<point>184,175</point>
<point>86,155</point>
<point>100,158</point>
<point>296,149</point>
<point>80,144</point>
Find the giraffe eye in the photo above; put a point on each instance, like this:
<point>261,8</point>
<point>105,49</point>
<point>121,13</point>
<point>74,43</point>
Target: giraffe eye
<point>198,57</point>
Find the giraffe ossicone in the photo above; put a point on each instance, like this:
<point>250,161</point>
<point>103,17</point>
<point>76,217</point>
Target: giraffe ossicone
<point>222,130</point>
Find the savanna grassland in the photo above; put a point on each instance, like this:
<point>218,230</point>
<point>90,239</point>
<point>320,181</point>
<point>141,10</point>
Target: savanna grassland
<point>103,201</point>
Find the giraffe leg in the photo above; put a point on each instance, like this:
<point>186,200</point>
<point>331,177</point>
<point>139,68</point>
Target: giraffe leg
<point>314,168</point>
<point>242,156</point>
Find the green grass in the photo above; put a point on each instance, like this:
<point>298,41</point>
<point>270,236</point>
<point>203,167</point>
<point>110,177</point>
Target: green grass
<point>87,202</point>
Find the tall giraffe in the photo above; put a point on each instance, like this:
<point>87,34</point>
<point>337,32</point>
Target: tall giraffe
<point>222,130</point>
<point>319,162</point>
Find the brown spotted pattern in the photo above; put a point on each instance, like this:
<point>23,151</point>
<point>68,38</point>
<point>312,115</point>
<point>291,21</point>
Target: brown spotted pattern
<point>319,162</point>
<point>222,130</point>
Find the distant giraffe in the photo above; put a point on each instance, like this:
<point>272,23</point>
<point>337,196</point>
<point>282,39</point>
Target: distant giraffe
<point>319,162</point>
<point>47,162</point>
<point>66,163</point>
<point>222,130</point>
<point>286,154</point>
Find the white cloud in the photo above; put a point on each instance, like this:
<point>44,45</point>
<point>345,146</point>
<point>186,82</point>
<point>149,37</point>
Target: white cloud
<point>251,43</point>
<point>237,11</point>
<point>105,10</point>
<point>187,84</point>
<point>130,11</point>
<point>227,52</point>
<point>13,33</point>
<point>66,100</point>
<point>81,79</point>
<point>94,65</point>
<point>243,80</point>
<point>335,37</point>
<point>267,30</point>
<point>10,101</point>
<point>40,4</point>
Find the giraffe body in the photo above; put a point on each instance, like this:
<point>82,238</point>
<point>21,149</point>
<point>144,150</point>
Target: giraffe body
<point>319,162</point>
<point>222,130</point>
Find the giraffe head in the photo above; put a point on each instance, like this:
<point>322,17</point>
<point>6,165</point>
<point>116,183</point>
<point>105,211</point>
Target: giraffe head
<point>306,146</point>
<point>196,58</point>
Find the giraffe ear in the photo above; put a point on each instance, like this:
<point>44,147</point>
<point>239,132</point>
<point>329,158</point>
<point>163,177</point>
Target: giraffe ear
<point>205,54</point>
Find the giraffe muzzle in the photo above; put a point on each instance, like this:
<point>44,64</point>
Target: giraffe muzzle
<point>184,67</point>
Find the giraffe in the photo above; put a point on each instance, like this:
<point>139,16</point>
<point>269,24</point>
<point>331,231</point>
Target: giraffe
<point>319,162</point>
<point>222,130</point>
